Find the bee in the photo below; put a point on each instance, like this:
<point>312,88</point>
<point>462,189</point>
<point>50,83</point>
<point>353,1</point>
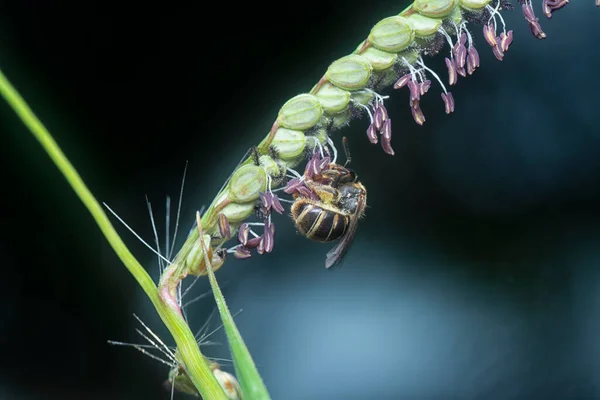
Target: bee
<point>333,213</point>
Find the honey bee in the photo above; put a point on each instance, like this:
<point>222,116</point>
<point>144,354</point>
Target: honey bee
<point>333,213</point>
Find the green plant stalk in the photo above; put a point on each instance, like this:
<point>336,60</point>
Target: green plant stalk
<point>194,362</point>
<point>250,380</point>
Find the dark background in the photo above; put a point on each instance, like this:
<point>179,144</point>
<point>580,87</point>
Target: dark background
<point>476,273</point>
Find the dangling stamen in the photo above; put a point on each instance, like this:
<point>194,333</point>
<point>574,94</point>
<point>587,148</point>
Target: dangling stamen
<point>318,143</point>
<point>493,13</point>
<point>469,37</point>
<point>458,29</point>
<point>332,146</point>
<point>413,71</point>
<point>446,96</point>
<point>432,72</point>
<point>449,39</point>
<point>295,173</point>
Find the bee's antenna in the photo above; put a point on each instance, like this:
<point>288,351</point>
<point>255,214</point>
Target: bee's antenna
<point>346,151</point>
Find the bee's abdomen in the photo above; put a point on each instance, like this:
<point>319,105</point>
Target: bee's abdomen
<point>317,223</point>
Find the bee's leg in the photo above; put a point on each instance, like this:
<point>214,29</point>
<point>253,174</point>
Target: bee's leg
<point>335,182</point>
<point>326,193</point>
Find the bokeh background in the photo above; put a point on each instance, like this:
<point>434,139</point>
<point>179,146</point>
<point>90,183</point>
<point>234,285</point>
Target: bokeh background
<point>476,273</point>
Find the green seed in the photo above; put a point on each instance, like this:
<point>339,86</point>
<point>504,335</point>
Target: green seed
<point>379,59</point>
<point>474,4</point>
<point>333,99</point>
<point>195,258</point>
<point>246,183</point>
<point>269,165</point>
<point>424,26</point>
<point>434,8</point>
<point>340,119</point>
<point>289,143</point>
<point>301,112</point>
<point>363,97</point>
<point>236,212</point>
<point>321,135</point>
<point>350,72</point>
<point>385,78</point>
<point>411,56</point>
<point>392,34</point>
<point>456,16</point>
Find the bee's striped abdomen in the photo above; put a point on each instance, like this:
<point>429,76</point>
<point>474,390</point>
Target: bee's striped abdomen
<point>317,223</point>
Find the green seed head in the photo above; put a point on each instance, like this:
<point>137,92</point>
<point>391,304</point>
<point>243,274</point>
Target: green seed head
<point>236,212</point>
<point>289,143</point>
<point>384,78</point>
<point>456,16</point>
<point>269,165</point>
<point>363,97</point>
<point>195,258</point>
<point>474,4</point>
<point>301,112</point>
<point>379,59</point>
<point>392,34</point>
<point>434,8</point>
<point>321,135</point>
<point>333,99</point>
<point>424,26</point>
<point>246,183</point>
<point>340,119</point>
<point>350,72</point>
<point>411,56</point>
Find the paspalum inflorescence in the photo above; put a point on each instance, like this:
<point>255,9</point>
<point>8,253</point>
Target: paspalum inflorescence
<point>391,56</point>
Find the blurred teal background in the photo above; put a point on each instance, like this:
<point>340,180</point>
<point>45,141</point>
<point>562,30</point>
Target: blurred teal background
<point>475,274</point>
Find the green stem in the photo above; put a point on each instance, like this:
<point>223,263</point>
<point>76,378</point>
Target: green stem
<point>194,363</point>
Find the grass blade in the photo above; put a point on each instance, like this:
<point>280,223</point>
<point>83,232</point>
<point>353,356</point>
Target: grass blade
<point>250,381</point>
<point>194,362</point>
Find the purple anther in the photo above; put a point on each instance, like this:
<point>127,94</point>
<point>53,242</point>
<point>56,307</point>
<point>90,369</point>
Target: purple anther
<point>448,102</point>
<point>386,145</point>
<point>461,56</point>
<point>242,253</point>
<point>489,35</point>
<point>424,87</point>
<point>224,227</point>
<point>266,200</point>
<point>292,185</point>
<point>386,132</point>
<point>506,40</point>
<point>243,233</point>
<point>372,133</point>
<point>415,93</point>
<point>498,52</point>
<point>417,114</point>
<point>472,58</point>
<point>400,83</point>
<point>268,236</point>
<point>452,73</point>
<point>378,118</point>
<point>277,204</point>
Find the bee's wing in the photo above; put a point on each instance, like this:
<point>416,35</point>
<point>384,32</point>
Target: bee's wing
<point>335,255</point>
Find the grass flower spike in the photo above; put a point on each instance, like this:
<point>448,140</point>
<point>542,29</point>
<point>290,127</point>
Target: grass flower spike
<point>392,56</point>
